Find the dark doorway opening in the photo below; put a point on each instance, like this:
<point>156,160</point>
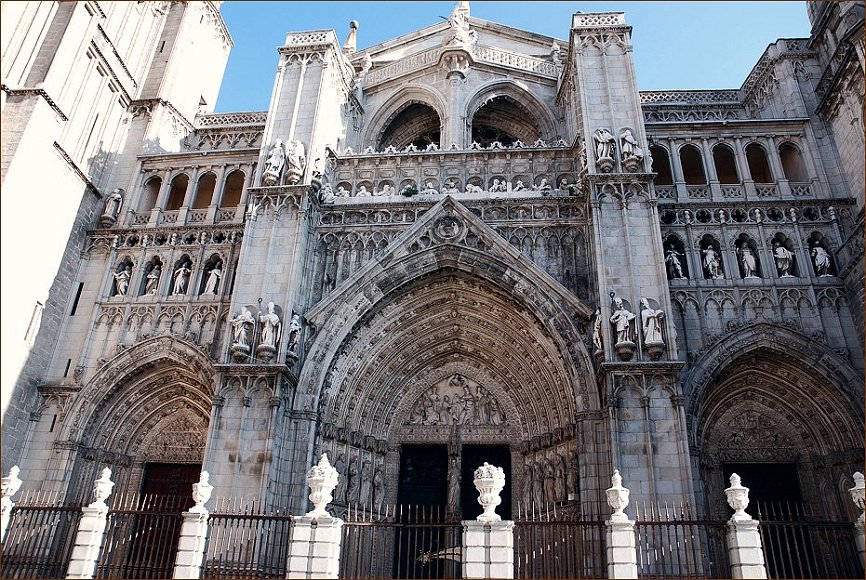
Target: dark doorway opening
<point>771,485</point>
<point>171,480</point>
<point>423,472</point>
<point>474,457</point>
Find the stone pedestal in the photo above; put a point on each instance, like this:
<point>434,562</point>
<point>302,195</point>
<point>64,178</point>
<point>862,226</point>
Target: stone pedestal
<point>190,546</point>
<point>745,551</point>
<point>488,549</point>
<point>88,542</point>
<point>314,551</point>
<point>621,554</point>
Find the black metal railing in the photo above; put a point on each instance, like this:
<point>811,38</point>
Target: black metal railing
<point>141,536</point>
<point>245,541</point>
<point>40,537</point>
<point>401,541</point>
<point>797,545</point>
<point>671,542</point>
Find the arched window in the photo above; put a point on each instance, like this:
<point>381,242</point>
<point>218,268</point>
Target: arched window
<point>418,124</point>
<point>792,163</point>
<point>204,193</point>
<point>149,194</point>
<point>504,120</point>
<point>178,192</point>
<point>693,166</point>
<point>758,165</point>
<point>233,187</point>
<point>726,166</point>
<point>661,165</point>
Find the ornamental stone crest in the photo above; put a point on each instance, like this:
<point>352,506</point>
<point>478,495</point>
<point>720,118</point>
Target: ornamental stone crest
<point>456,400</point>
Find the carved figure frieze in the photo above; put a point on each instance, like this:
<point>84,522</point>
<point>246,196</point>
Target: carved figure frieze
<point>456,400</point>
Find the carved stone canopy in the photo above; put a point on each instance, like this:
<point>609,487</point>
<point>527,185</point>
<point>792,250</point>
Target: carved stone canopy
<point>456,400</point>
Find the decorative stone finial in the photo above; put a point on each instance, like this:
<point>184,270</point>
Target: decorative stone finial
<point>10,484</point>
<point>617,495</point>
<point>351,44</point>
<point>201,493</point>
<point>489,481</point>
<point>857,494</point>
<point>322,479</point>
<point>738,498</point>
<point>102,489</point>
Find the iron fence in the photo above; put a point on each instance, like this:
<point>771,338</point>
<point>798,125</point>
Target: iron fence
<point>797,545</point>
<point>557,541</point>
<point>40,537</point>
<point>244,543</point>
<point>141,536</point>
<point>672,543</point>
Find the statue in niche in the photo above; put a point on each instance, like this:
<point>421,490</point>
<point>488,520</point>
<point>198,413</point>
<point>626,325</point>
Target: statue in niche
<point>651,321</point>
<point>519,185</point>
<point>152,278</point>
<point>366,479</point>
<point>121,281</point>
<point>784,260</point>
<point>675,267</point>
<point>343,192</point>
<point>821,259</point>
<point>327,195</point>
<point>270,327</point>
<point>428,188</point>
<point>378,484</point>
<point>274,164</point>
<point>113,203</point>
<point>241,325</point>
<point>181,278</point>
<point>296,161</point>
<point>712,264</point>
<point>498,186</point>
<point>747,261</point>
<point>538,484</point>
<point>549,481</point>
<point>213,278</point>
<point>363,192</point>
<point>453,485</point>
<point>629,145</point>
<point>604,143</point>
<point>621,320</point>
<point>571,482</point>
<point>450,187</point>
<point>561,469</point>
<point>351,483</point>
<point>294,331</point>
<point>597,340</point>
<point>456,402</point>
<point>340,491</point>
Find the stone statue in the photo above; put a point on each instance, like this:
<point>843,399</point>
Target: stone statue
<point>538,484</point>
<point>711,263</point>
<point>747,261</point>
<point>342,192</point>
<point>549,481</point>
<point>113,204</point>
<point>604,143</point>
<point>597,340</point>
<point>181,278</point>
<point>241,325</point>
<point>651,321</point>
<point>274,164</point>
<point>327,195</point>
<point>519,186</point>
<point>497,186</point>
<point>270,327</point>
<point>544,185</point>
<point>296,161</point>
<point>121,281</point>
<point>428,188</point>
<point>784,260</point>
<point>821,259</point>
<point>294,331</point>
<point>366,479</point>
<point>352,483</point>
<point>675,267</point>
<point>629,145</point>
<point>340,466</point>
<point>378,485</point>
<point>213,279</point>
<point>450,187</point>
<point>362,192</point>
<point>453,485</point>
<point>152,277</point>
<point>460,31</point>
<point>621,319</point>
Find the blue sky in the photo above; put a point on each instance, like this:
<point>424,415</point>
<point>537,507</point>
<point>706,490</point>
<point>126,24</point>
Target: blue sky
<point>677,45</point>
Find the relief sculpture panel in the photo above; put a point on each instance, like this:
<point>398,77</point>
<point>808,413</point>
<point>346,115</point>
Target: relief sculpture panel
<point>456,400</point>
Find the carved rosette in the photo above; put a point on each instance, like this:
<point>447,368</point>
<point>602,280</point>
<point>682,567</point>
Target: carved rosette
<point>322,479</point>
<point>738,498</point>
<point>617,496</point>
<point>489,480</point>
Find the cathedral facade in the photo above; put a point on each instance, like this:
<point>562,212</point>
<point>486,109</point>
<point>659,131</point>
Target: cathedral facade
<point>470,243</point>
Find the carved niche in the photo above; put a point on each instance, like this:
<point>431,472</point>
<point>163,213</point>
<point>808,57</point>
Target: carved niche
<point>456,400</point>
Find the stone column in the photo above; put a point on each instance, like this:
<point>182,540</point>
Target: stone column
<point>743,168</point>
<point>621,552</point>
<point>745,552</point>
<point>217,199</point>
<point>712,176</point>
<point>193,532</point>
<point>488,542</point>
<point>314,549</point>
<point>857,494</point>
<point>776,165</point>
<point>9,486</point>
<point>91,528</point>
<point>161,199</point>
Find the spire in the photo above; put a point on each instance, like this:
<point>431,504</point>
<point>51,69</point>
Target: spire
<point>352,39</point>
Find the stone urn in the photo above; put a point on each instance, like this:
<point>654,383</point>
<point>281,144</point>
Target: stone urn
<point>201,493</point>
<point>857,494</point>
<point>266,352</point>
<point>655,350</point>
<point>240,352</point>
<point>102,489</point>
<point>605,164</point>
<point>489,481</point>
<point>322,479</point>
<point>617,495</point>
<point>625,349</point>
<point>738,498</point>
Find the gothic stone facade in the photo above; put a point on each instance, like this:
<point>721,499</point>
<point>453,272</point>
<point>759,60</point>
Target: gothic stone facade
<point>475,236</point>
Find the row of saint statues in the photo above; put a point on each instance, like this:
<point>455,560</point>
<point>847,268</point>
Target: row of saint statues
<point>179,284</point>
<point>748,263</point>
